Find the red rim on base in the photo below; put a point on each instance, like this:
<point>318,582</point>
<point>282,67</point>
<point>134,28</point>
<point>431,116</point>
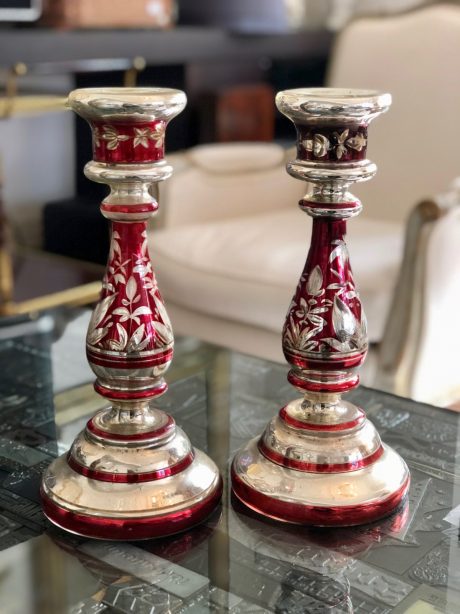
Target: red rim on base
<point>332,516</point>
<point>100,527</point>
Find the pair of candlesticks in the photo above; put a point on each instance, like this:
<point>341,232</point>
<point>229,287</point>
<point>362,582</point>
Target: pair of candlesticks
<point>133,473</point>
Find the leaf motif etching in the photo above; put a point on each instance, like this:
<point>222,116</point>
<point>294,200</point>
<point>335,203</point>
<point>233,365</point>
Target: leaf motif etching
<point>131,316</point>
<point>306,319</point>
<point>112,137</point>
<point>142,137</point>
<point>320,308</point>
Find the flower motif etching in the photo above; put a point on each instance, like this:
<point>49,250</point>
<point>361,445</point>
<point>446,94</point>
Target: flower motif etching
<point>319,309</point>
<point>320,145</point>
<point>143,135</point>
<point>130,316</point>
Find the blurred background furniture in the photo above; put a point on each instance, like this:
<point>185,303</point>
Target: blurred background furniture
<point>418,355</point>
<point>109,13</point>
<point>26,10</point>
<point>231,230</point>
<point>226,271</point>
<point>32,280</point>
<point>416,145</point>
<point>231,233</point>
<point>207,63</point>
<point>238,113</point>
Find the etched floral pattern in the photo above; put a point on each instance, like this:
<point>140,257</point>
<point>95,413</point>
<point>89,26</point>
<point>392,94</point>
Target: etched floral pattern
<point>130,316</point>
<point>320,145</point>
<point>319,307</point>
<point>140,137</point>
<point>308,321</point>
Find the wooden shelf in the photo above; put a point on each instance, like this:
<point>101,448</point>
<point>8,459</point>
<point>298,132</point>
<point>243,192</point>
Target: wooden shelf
<point>181,45</point>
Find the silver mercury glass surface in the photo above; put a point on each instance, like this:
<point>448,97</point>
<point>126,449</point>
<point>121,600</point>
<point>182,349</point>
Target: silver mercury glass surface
<point>320,461</point>
<point>132,473</point>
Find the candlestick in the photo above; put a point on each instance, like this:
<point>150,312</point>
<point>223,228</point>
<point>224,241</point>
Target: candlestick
<point>320,460</point>
<point>132,473</point>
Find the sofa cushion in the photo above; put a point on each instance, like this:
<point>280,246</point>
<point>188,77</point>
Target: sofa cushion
<point>246,269</point>
<point>236,157</point>
<point>227,180</point>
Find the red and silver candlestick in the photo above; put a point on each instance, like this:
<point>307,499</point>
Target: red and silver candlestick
<point>321,461</point>
<point>132,473</point>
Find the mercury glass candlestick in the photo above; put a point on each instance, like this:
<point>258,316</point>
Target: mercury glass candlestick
<point>320,461</point>
<point>132,473</point>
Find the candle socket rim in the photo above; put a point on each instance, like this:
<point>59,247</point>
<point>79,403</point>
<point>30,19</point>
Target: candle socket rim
<point>127,104</point>
<point>332,106</point>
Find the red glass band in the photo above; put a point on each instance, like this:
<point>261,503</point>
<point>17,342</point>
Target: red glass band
<point>121,362</point>
<point>131,528</point>
<point>335,362</point>
<point>130,395</point>
<point>293,463</point>
<point>348,515</point>
<point>126,143</point>
<point>310,426</point>
<point>299,382</point>
<point>130,209</point>
<point>130,478</point>
<point>336,144</point>
<point>153,434</point>
<point>313,204</point>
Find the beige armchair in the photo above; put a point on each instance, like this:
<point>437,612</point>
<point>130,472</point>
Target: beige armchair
<point>233,242</point>
<point>415,146</point>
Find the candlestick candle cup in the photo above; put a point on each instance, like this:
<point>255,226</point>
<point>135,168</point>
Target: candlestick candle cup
<point>132,473</point>
<point>320,461</point>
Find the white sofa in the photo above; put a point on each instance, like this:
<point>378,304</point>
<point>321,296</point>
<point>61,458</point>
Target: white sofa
<point>234,244</point>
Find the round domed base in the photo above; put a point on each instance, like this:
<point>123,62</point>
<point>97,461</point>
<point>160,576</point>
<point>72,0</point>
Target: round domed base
<point>130,480</point>
<point>130,511</point>
<point>320,499</point>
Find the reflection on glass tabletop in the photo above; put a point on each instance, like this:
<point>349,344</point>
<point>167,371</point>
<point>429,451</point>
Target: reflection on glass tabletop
<point>234,562</point>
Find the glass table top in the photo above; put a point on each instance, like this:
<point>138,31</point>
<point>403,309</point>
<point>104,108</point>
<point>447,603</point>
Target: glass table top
<point>234,562</point>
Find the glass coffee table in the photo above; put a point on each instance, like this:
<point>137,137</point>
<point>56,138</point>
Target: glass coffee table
<point>234,562</point>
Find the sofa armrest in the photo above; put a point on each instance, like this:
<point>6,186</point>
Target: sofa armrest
<point>398,349</point>
<point>418,356</point>
<point>224,181</point>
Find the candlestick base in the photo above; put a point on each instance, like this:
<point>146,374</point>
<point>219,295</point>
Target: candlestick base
<point>129,486</point>
<point>320,473</point>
